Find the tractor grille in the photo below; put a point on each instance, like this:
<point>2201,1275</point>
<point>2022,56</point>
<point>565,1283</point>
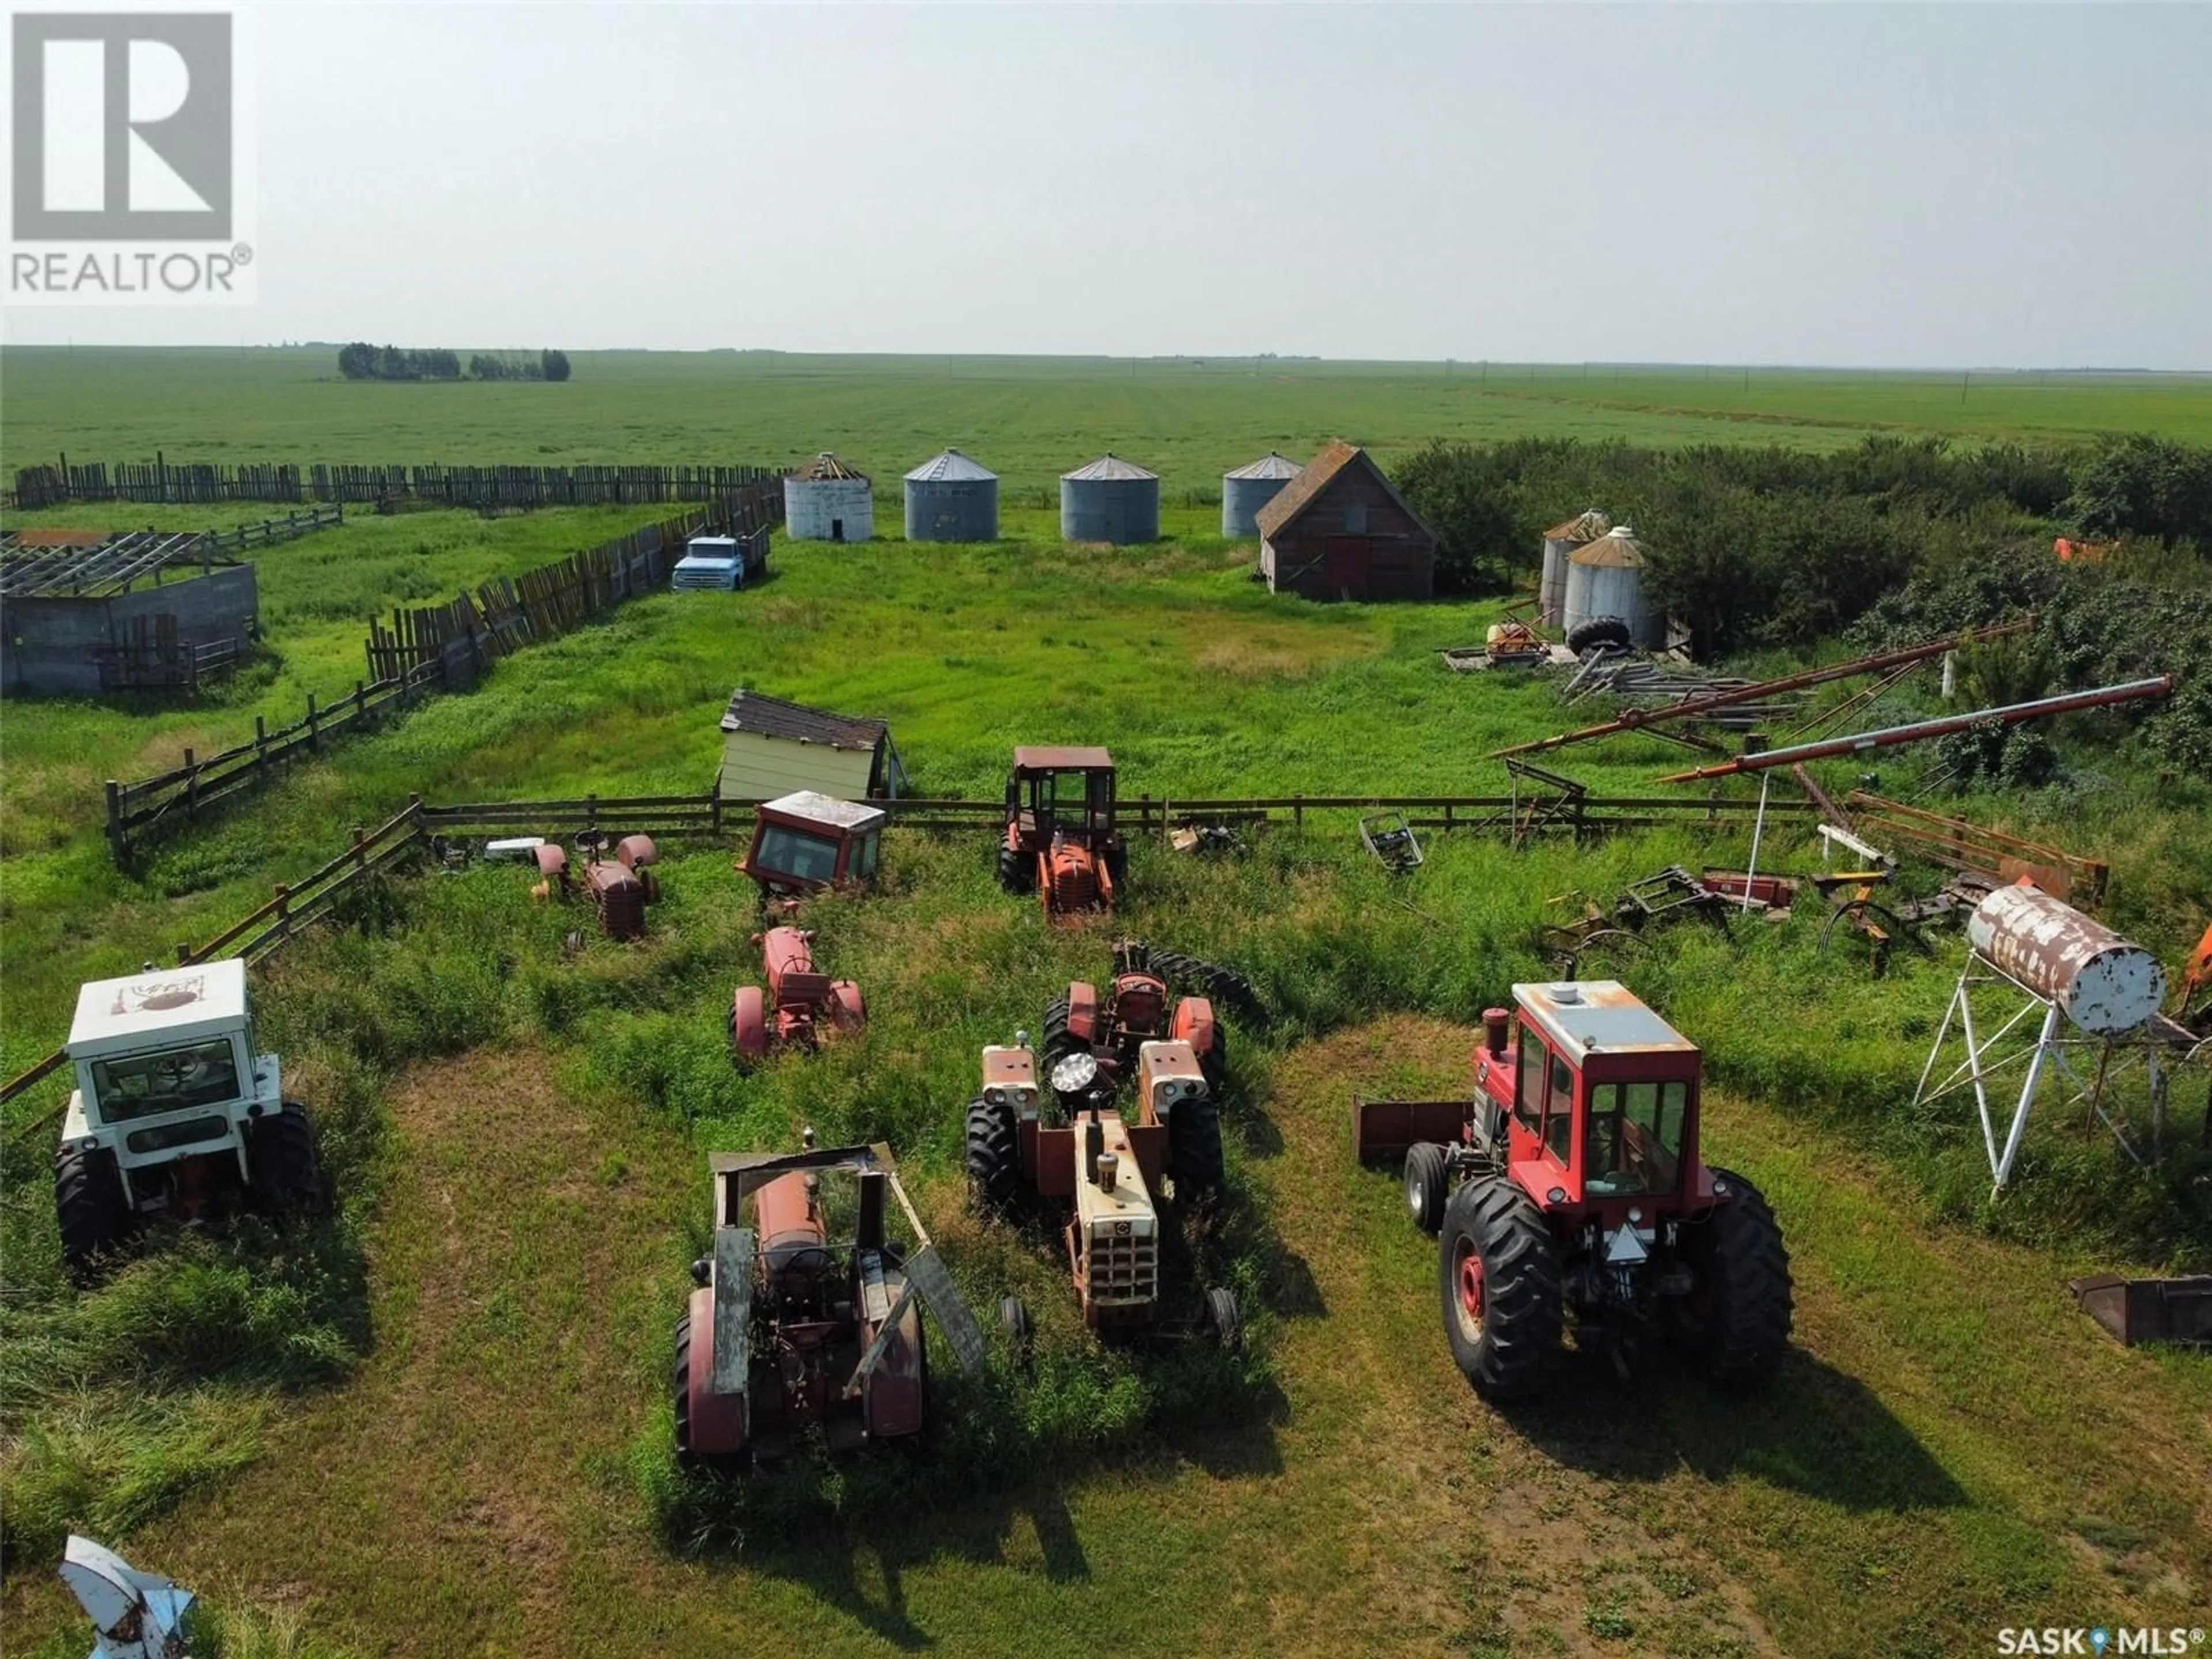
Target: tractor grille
<point>1125,1266</point>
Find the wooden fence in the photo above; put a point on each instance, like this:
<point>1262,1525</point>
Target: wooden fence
<point>269,532</point>
<point>435,649</point>
<point>161,481</point>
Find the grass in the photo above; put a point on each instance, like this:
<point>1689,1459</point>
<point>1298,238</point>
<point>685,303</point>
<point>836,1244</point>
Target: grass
<point>1029,419</point>
<point>439,1426</point>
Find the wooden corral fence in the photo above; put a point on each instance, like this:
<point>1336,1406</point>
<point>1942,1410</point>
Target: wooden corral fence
<point>269,532</point>
<point>438,648</point>
<point>295,906</point>
<point>444,485</point>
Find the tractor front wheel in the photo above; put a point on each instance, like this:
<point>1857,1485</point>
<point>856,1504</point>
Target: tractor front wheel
<point>287,1178</point>
<point>1224,1319</point>
<point>1742,1299</point>
<point>994,1171</point>
<point>90,1206</point>
<point>1195,1151</point>
<point>748,1022</point>
<point>1498,1279</point>
<point>1014,1322</point>
<point>1427,1183</point>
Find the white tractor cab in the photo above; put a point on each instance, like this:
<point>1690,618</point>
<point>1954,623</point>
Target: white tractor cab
<point>174,1112</point>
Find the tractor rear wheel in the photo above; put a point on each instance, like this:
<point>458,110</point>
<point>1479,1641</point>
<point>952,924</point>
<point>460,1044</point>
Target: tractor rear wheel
<point>1598,630</point>
<point>1117,866</point>
<point>1743,1296</point>
<point>1498,1278</point>
<point>287,1172</point>
<point>1014,1320</point>
<point>90,1206</point>
<point>1055,1041</point>
<point>1017,870</point>
<point>1224,1319</point>
<point>679,1383</point>
<point>994,1171</point>
<point>1195,1151</point>
<point>1214,1063</point>
<point>1428,1178</point>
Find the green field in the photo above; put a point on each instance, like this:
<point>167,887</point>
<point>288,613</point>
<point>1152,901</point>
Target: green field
<point>442,1428</point>
<point>1030,419</point>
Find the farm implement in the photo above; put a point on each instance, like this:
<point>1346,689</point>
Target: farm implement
<point>1570,1184</point>
<point>1064,1141</point>
<point>1060,841</point>
<point>787,1334</point>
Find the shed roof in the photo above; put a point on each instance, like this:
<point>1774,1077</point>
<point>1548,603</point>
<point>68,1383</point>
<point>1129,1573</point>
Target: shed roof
<point>1584,526</point>
<point>1273,464</point>
<point>1109,466</point>
<point>1310,484</point>
<point>28,569</point>
<point>826,466</point>
<point>773,717</point>
<point>950,467</point>
<point>1617,548</point>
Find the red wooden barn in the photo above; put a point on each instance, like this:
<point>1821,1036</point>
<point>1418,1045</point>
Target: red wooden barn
<point>1341,530</point>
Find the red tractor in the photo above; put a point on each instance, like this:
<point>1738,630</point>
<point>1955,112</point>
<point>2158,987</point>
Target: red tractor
<point>1139,1007</point>
<point>1068,1143</point>
<point>788,1335</point>
<point>1571,1182</point>
<point>807,1004</point>
<point>804,842</point>
<point>1061,841</point>
<point>619,888</point>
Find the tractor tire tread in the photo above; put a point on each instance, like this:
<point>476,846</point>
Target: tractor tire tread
<point>1426,1165</point>
<point>1753,1306</point>
<point>1523,1316</point>
<point>992,1158</point>
<point>89,1205</point>
<point>287,1170</point>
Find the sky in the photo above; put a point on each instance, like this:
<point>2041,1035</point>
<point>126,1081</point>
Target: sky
<point>1849,185</point>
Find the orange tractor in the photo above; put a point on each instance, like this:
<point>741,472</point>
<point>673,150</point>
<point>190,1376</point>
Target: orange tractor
<point>791,1332</point>
<point>1059,839</point>
<point>805,1003</point>
<point>802,843</point>
<point>1571,1183</point>
<point>1141,1006</point>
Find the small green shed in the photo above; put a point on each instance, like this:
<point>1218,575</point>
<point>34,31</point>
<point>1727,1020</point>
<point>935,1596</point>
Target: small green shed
<point>771,747</point>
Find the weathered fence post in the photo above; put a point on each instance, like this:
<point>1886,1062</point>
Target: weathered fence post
<point>714,807</point>
<point>191,785</point>
<point>183,954</point>
<point>360,848</point>
<point>260,743</point>
<point>115,820</point>
<point>1298,812</point>
<point>283,911</point>
<point>314,724</point>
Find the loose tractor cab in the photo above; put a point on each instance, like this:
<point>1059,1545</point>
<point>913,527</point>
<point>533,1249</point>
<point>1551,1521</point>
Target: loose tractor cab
<point>788,1335</point>
<point>802,1005</point>
<point>176,1114</point>
<point>1066,1142</point>
<point>805,843</point>
<point>1061,841</point>
<point>1571,1182</point>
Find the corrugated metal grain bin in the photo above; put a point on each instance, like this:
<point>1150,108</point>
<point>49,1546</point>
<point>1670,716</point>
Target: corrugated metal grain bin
<point>1605,579</point>
<point>1110,500</point>
<point>827,501</point>
<point>1249,489</point>
<point>1560,542</point>
<point>949,498</point>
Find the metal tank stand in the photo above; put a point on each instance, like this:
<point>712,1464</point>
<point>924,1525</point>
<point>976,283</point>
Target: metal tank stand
<point>2010,1043</point>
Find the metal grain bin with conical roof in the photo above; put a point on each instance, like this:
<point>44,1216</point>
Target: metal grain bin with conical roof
<point>950,498</point>
<point>1605,579</point>
<point>1249,489</point>
<point>1110,500</point>
<point>1560,542</point>
<point>828,500</point>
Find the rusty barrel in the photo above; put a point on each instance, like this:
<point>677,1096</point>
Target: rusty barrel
<point>2102,982</point>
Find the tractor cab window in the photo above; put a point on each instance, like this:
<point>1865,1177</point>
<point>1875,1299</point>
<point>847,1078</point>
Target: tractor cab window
<point>796,855</point>
<point>864,856</point>
<point>140,1086</point>
<point>1560,1111</point>
<point>1634,1143</point>
<point>1528,1083</point>
<point>1068,797</point>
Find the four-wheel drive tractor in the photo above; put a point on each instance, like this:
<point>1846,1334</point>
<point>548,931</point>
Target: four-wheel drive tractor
<point>1066,1142</point>
<point>789,1334</point>
<point>1060,839</point>
<point>1571,1182</point>
<point>802,1005</point>
<point>176,1114</point>
<point>1140,1007</point>
<point>804,842</point>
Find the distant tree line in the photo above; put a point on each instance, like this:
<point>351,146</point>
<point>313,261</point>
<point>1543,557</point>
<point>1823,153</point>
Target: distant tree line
<point>363,362</point>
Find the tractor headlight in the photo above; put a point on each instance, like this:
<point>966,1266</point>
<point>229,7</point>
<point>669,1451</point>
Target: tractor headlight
<point>1556,1195</point>
<point>1634,1214</point>
<point>996,1096</point>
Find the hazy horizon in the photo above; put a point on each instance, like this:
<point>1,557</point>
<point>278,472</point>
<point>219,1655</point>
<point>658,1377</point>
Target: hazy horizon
<point>1845,187</point>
